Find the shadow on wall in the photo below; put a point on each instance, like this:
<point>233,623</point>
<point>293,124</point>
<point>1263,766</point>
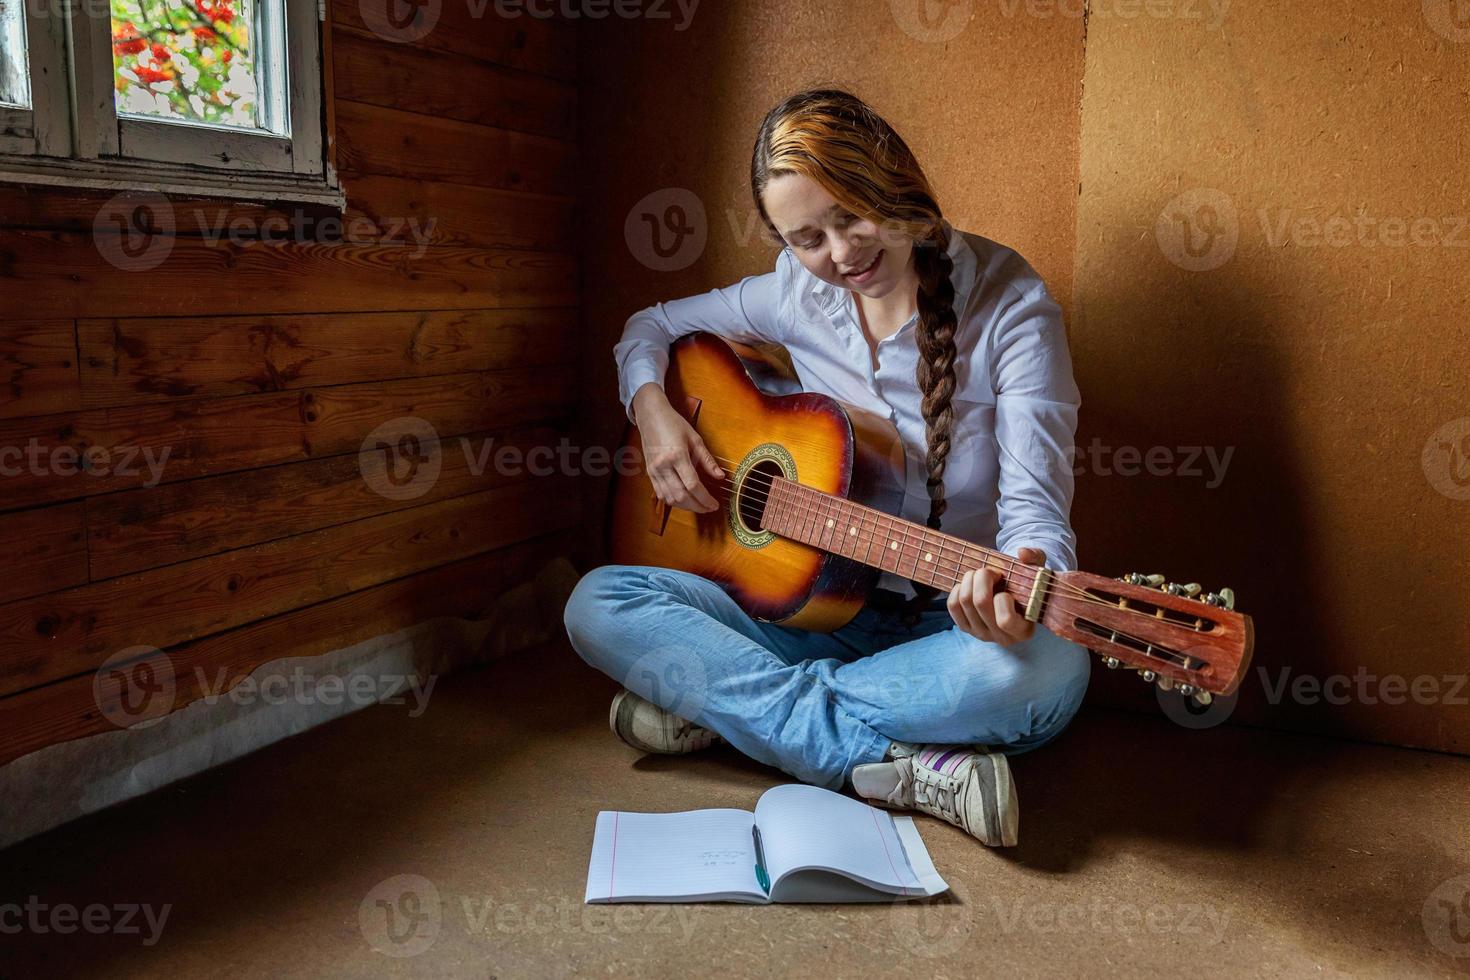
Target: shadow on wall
<point>1187,466</point>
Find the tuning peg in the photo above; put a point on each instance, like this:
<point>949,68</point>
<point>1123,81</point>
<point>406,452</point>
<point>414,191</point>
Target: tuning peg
<point>1148,675</point>
<point>1138,578</point>
<point>1111,663</point>
<point>1203,697</point>
<point>1166,683</point>
<point>1186,689</point>
<point>1225,598</point>
<point>1191,589</point>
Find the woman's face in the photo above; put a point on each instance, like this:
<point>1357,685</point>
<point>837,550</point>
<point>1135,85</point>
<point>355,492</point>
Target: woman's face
<point>835,245</point>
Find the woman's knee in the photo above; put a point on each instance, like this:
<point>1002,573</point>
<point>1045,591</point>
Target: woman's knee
<point>592,607</point>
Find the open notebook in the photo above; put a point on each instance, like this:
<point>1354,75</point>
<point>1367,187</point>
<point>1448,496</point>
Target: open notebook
<point>802,844</point>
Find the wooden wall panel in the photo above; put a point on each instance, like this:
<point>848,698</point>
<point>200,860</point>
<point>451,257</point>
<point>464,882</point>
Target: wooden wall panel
<point>132,362</point>
<point>70,709</point>
<point>144,445</point>
<point>454,214</point>
<point>203,277</point>
<point>49,547</point>
<point>145,528</point>
<point>71,632</point>
<point>374,140</point>
<point>539,45</point>
<point>38,368</point>
<point>450,86</point>
<point>260,344</point>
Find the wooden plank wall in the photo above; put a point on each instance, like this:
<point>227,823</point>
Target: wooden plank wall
<point>255,369</point>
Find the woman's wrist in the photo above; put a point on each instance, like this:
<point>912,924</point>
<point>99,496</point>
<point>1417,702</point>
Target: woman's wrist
<point>648,398</point>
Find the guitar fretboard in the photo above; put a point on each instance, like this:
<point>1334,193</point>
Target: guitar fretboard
<point>880,540</point>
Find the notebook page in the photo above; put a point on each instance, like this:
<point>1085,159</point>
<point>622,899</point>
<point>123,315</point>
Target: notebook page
<point>664,856</point>
<point>806,826</point>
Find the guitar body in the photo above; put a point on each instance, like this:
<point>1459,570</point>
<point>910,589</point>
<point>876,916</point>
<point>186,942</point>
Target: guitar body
<point>822,443</point>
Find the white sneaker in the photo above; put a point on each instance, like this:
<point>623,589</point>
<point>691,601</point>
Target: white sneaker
<point>649,728</point>
<point>969,788</point>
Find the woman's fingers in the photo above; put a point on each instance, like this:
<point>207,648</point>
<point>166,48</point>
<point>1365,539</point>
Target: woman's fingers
<point>963,611</point>
<point>1008,619</point>
<point>695,493</point>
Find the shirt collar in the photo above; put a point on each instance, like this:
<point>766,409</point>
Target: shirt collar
<point>831,297</point>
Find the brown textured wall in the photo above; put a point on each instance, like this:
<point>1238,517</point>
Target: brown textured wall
<point>1297,324</point>
<point>988,101</point>
<point>1330,373</point>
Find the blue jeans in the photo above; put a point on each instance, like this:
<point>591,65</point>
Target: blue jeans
<point>817,704</point>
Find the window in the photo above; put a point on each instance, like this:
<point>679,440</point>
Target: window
<point>192,96</point>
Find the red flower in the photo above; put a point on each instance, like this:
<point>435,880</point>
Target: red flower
<point>160,53</point>
<point>150,76</point>
<point>204,34</point>
<point>130,46</point>
<point>227,56</point>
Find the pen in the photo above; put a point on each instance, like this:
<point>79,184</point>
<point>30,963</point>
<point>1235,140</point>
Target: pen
<point>761,877</point>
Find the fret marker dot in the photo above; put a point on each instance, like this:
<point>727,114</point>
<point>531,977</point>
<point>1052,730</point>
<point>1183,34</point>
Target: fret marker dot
<point>852,530</point>
<point>928,556</point>
<point>830,522</point>
<point>893,545</point>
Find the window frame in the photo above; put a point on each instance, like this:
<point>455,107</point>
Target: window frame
<point>77,137</point>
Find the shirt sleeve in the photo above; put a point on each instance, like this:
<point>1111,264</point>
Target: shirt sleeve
<point>1035,429</point>
<point>749,311</point>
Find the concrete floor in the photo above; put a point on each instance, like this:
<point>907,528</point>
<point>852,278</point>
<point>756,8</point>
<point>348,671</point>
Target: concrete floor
<point>1147,850</point>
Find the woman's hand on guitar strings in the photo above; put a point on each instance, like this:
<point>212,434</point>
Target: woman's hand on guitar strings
<point>673,453</point>
<point>988,613</point>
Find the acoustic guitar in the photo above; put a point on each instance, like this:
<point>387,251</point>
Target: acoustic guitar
<point>806,525</point>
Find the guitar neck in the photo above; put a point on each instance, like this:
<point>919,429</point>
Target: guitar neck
<point>878,540</point>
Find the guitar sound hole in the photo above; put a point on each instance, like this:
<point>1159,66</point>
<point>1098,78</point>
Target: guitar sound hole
<point>755,490</point>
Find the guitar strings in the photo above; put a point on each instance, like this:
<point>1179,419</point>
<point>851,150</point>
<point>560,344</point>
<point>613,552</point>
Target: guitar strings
<point>985,554</point>
<point>1054,588</point>
<point>1159,651</point>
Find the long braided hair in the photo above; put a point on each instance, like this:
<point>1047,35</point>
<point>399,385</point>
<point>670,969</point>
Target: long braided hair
<point>836,140</point>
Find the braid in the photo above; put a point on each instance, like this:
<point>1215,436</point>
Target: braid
<point>837,141</point>
<point>936,377</point>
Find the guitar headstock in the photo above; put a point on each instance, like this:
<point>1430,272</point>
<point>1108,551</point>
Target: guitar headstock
<point>1176,636</point>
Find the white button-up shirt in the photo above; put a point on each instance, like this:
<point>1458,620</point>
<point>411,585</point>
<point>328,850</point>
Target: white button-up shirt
<point>1009,480</point>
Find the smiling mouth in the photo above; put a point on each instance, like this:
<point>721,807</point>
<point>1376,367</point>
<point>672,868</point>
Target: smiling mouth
<point>858,273</point>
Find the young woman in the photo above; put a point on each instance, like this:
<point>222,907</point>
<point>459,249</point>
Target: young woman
<point>882,304</point>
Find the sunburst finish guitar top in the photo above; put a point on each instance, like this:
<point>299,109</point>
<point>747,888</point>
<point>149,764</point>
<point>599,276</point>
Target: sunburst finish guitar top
<point>806,526</point>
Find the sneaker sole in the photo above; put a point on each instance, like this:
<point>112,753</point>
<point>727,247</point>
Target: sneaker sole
<point>1008,813</point>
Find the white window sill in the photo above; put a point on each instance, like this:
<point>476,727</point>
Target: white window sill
<point>121,176</point>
